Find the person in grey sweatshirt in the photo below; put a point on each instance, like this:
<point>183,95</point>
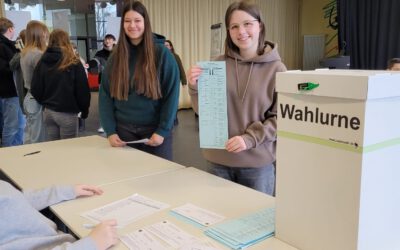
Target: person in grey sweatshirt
<point>24,227</point>
<point>251,65</point>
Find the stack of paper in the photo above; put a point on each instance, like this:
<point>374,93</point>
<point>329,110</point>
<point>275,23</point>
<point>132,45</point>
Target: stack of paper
<point>198,215</point>
<point>127,210</point>
<point>164,235</point>
<point>245,231</point>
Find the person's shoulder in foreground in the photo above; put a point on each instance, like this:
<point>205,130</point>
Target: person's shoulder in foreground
<point>24,227</point>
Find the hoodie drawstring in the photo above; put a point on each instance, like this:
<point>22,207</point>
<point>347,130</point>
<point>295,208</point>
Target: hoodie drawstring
<point>237,80</point>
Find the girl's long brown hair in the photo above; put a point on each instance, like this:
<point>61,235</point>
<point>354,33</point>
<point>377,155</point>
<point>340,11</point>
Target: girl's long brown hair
<point>145,78</point>
<point>36,35</point>
<point>60,39</point>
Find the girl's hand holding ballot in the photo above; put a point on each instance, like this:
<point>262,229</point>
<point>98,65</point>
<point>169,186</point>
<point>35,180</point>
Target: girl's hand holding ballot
<point>155,140</point>
<point>115,141</point>
<point>193,75</point>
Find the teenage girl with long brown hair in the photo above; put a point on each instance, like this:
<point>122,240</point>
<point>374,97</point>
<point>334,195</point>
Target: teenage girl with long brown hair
<point>138,96</point>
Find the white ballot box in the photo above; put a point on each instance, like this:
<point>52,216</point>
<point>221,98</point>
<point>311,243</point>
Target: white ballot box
<point>338,160</point>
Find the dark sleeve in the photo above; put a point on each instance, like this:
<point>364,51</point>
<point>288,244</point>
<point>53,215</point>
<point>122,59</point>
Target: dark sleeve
<point>169,81</point>
<point>82,90</point>
<point>5,57</point>
<point>15,66</point>
<point>37,83</point>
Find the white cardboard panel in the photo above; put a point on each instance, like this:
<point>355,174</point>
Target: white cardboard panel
<point>331,197</point>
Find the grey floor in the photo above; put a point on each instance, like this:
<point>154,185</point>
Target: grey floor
<point>186,135</point>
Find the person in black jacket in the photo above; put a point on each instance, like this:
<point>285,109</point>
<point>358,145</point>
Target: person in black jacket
<point>103,54</point>
<point>13,118</point>
<point>108,44</point>
<point>59,83</point>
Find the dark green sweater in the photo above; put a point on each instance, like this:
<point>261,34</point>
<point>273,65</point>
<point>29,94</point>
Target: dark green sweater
<point>138,109</point>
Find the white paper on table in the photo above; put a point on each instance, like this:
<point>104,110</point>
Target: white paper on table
<point>213,110</point>
<point>203,244</point>
<point>198,214</point>
<point>126,210</point>
<point>171,234</point>
<point>137,141</point>
<point>141,240</point>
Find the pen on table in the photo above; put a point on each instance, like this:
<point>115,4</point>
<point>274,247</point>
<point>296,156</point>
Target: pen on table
<point>32,153</point>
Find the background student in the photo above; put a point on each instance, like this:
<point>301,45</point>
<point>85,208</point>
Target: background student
<point>59,83</point>
<point>105,52</point>
<point>102,57</point>
<point>138,96</point>
<point>15,66</point>
<point>24,227</point>
<point>37,36</point>
<point>182,73</point>
<point>251,66</point>
<point>12,117</point>
<point>394,64</point>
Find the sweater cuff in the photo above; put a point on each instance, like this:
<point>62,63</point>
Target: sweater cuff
<point>164,133</point>
<point>86,243</point>
<point>108,133</point>
<point>65,193</point>
<point>249,140</point>
<point>192,91</point>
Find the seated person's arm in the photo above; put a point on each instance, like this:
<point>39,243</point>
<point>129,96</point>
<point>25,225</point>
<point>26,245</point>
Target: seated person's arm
<point>43,198</point>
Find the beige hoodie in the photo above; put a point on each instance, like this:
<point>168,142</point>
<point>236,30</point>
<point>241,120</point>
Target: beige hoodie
<point>251,112</point>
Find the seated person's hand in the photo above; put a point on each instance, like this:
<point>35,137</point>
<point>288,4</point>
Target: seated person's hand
<point>155,140</point>
<point>87,190</point>
<point>105,234</point>
<point>115,141</point>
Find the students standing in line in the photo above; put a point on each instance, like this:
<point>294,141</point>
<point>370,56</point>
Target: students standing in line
<point>24,227</point>
<point>138,96</point>
<point>251,66</point>
<point>37,36</point>
<point>59,83</point>
<point>13,118</point>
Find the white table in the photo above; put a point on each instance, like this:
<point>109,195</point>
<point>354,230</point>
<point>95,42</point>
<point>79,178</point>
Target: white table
<point>175,188</point>
<point>83,160</point>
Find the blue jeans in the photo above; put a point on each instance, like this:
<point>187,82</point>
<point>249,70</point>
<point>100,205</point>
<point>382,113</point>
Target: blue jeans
<point>261,178</point>
<point>130,132</point>
<point>13,122</point>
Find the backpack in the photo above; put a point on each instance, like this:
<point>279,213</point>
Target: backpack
<point>96,65</point>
